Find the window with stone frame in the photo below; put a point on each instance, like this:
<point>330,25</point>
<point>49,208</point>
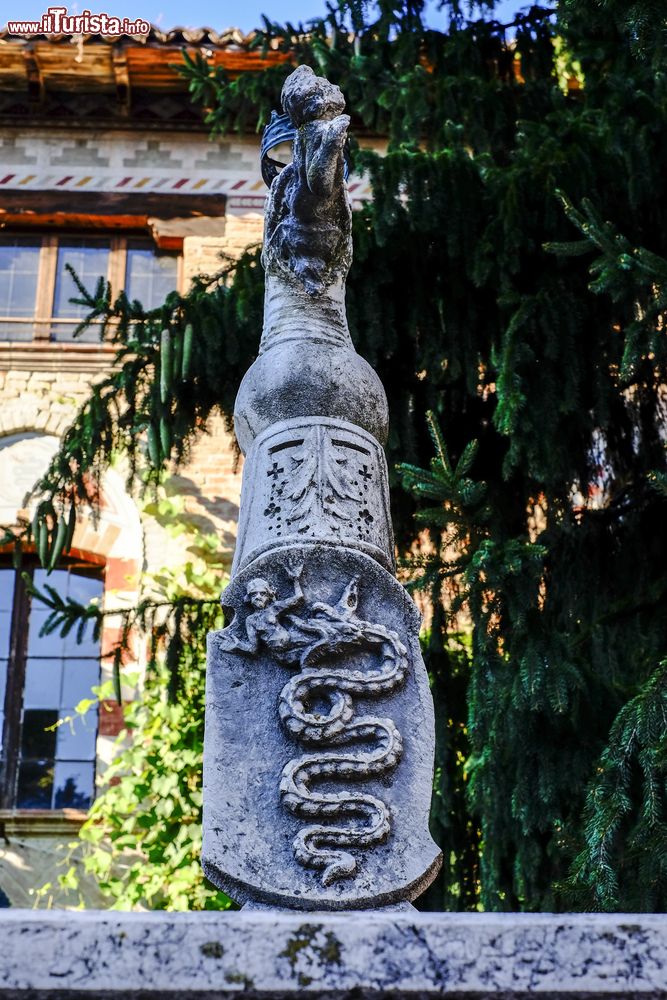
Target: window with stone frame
<point>36,285</point>
<point>44,764</point>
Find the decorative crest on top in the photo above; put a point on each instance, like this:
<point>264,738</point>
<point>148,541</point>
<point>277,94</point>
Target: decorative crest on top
<point>308,219</point>
<point>278,131</point>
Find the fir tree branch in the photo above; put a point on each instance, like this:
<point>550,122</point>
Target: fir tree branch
<point>601,874</point>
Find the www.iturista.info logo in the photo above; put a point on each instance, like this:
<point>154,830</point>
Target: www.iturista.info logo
<point>56,21</point>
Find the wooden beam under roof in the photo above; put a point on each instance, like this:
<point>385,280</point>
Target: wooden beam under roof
<point>102,209</point>
<point>97,63</point>
<point>33,75</point>
<point>122,75</point>
<point>12,64</point>
<point>75,66</point>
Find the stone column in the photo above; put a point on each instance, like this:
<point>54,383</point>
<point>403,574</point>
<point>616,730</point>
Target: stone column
<point>319,743</point>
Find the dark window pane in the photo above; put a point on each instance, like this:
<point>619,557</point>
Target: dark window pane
<point>38,740</point>
<point>42,645</point>
<point>19,267</point>
<point>5,631</point>
<point>6,589</point>
<point>57,579</point>
<point>78,680</point>
<point>90,261</point>
<point>77,739</point>
<point>13,330</point>
<point>87,647</point>
<point>74,784</point>
<point>7,577</point>
<point>149,276</point>
<point>35,784</point>
<point>3,683</point>
<point>80,587</point>
<point>84,588</point>
<point>57,765</point>
<point>43,683</point>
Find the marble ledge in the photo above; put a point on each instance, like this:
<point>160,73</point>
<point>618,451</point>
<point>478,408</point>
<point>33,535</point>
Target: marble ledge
<point>275,955</point>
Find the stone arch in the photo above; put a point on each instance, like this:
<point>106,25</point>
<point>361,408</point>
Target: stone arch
<point>115,533</point>
<point>18,416</point>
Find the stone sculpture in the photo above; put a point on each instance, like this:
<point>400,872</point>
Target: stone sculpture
<point>319,742</point>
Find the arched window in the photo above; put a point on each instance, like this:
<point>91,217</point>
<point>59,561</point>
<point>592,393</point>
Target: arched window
<point>42,679</point>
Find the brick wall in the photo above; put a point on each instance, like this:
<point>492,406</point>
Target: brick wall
<point>39,396</point>
<point>203,254</point>
<point>41,400</point>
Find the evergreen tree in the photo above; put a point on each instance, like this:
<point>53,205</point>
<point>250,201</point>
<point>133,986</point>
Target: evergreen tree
<point>509,279</point>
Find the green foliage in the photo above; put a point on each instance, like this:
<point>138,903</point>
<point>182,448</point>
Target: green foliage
<point>626,274</point>
<point>625,833</point>
<point>641,22</point>
<point>552,362</point>
<point>142,839</point>
<point>447,655</point>
<point>459,513</point>
<point>457,519</point>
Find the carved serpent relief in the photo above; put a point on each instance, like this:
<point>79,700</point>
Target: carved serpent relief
<point>316,707</point>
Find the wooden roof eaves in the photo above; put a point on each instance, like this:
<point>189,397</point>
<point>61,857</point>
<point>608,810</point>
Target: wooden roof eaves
<point>230,38</point>
<point>79,63</point>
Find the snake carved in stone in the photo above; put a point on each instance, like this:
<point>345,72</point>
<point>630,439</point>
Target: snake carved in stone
<point>322,846</point>
<point>314,639</point>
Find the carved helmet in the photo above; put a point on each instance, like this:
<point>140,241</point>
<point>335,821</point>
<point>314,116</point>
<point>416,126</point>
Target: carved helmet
<point>306,97</point>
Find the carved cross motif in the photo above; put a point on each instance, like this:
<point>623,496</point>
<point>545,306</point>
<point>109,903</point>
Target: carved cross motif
<point>321,484</point>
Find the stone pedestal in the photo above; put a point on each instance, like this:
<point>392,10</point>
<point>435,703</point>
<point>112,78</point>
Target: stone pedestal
<point>355,956</point>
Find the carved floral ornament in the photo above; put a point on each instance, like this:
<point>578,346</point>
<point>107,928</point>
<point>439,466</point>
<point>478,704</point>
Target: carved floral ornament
<point>325,479</point>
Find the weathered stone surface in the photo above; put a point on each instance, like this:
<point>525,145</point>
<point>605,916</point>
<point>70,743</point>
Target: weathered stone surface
<point>307,235</point>
<point>315,479</point>
<point>317,784</point>
<point>318,759</point>
<point>365,956</point>
<point>309,379</point>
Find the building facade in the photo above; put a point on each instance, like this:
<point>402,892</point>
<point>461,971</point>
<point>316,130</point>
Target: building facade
<point>105,166</point>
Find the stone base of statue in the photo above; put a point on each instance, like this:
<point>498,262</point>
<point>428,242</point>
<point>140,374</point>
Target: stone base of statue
<point>56,954</point>
<point>318,775</point>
